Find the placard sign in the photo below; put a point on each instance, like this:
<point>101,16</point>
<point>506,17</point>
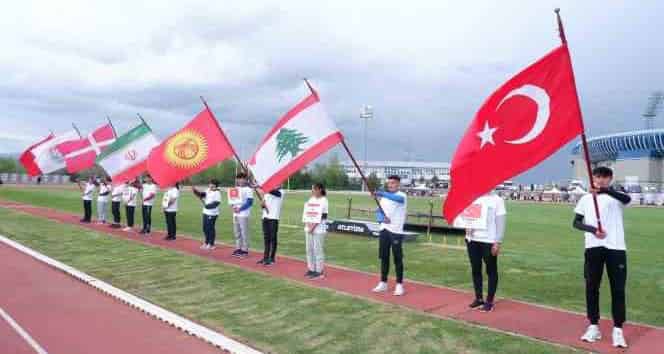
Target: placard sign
<point>233,195</point>
<point>473,217</point>
<point>166,199</point>
<point>313,213</point>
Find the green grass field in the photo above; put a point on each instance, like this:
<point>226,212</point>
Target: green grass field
<point>541,260</point>
<point>272,314</point>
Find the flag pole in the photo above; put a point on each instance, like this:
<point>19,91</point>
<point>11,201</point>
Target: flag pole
<point>141,118</point>
<point>237,157</point>
<point>77,131</point>
<point>584,140</point>
<point>111,124</point>
<point>364,178</point>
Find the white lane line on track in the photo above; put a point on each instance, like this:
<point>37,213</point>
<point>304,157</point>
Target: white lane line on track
<point>23,333</point>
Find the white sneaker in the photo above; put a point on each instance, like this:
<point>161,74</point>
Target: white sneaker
<point>592,334</point>
<point>127,229</point>
<point>618,338</point>
<point>381,287</point>
<point>204,246</point>
<point>398,290</point>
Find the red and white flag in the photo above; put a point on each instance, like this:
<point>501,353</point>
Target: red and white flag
<point>299,137</point>
<point>80,154</point>
<point>526,120</point>
<point>43,157</point>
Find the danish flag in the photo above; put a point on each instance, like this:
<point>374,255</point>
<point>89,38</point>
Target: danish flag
<point>81,154</point>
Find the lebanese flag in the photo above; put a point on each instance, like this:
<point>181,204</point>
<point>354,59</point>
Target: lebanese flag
<point>299,137</point>
<point>526,120</point>
<point>80,154</point>
<point>198,145</point>
<point>126,158</point>
<point>43,157</point>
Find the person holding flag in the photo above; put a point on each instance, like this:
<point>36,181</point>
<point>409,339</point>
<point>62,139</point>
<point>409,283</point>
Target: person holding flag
<point>483,244</point>
<point>88,190</point>
<point>211,200</point>
<point>241,205</point>
<point>391,216</point>
<point>604,246</point>
<point>102,199</point>
<point>272,202</point>
<point>170,206</point>
<point>149,193</point>
<point>116,199</point>
<point>129,197</point>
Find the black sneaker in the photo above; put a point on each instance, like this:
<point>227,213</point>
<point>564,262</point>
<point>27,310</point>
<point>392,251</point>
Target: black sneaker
<point>318,275</point>
<point>243,254</point>
<point>313,275</point>
<point>262,261</point>
<point>236,253</point>
<point>477,303</point>
<point>268,263</point>
<point>309,273</point>
<point>487,307</point>
<point>142,232</point>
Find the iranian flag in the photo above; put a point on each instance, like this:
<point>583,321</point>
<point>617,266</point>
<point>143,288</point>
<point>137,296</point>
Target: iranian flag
<point>126,158</point>
<point>299,137</point>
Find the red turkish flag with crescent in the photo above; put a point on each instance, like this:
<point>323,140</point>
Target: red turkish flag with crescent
<point>526,120</point>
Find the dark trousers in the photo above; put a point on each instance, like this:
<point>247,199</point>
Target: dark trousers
<point>87,210</point>
<point>387,241</point>
<point>115,210</point>
<point>478,252</point>
<point>170,223</point>
<point>208,228</point>
<point>270,229</point>
<point>147,217</point>
<point>129,210</point>
<point>616,268</point>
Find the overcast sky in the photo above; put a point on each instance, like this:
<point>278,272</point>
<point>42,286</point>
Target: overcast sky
<point>425,66</point>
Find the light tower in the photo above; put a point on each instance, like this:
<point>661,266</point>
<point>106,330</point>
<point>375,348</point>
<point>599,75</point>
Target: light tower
<point>365,114</point>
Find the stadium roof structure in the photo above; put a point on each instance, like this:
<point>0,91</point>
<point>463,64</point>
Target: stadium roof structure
<point>405,164</point>
<point>623,146</point>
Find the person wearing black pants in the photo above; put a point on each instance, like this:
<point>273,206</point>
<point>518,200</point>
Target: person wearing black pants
<point>129,198</point>
<point>116,199</point>
<point>149,192</point>
<point>272,202</point>
<point>211,199</point>
<point>170,206</point>
<point>604,246</point>
<point>484,236</point>
<point>391,215</point>
<point>88,190</point>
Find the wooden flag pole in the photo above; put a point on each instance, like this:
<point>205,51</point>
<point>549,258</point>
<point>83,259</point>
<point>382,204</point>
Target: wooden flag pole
<point>237,157</point>
<point>77,131</point>
<point>364,179</point>
<point>584,140</point>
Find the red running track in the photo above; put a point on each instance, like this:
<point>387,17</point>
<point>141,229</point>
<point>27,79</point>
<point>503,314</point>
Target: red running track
<point>64,315</point>
<point>544,323</point>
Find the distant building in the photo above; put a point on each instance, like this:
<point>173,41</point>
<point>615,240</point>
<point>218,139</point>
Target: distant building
<point>409,171</point>
<point>636,158</point>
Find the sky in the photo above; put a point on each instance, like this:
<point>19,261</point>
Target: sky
<point>424,66</point>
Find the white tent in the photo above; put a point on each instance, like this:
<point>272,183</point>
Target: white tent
<point>577,191</point>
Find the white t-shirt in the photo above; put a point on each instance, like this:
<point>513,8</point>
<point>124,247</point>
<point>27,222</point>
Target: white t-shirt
<point>103,188</point>
<point>495,206</point>
<point>211,197</point>
<point>171,194</point>
<point>129,195</point>
<point>322,227</point>
<point>117,193</point>
<point>88,190</point>
<point>149,189</point>
<point>273,204</point>
<point>245,193</point>
<point>396,212</point>
<point>611,215</point>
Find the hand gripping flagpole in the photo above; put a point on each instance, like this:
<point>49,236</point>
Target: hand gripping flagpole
<point>352,158</point>
<point>584,141</point>
<point>237,157</point>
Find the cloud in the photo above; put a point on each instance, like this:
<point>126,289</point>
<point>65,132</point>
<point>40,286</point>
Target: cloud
<point>425,67</point>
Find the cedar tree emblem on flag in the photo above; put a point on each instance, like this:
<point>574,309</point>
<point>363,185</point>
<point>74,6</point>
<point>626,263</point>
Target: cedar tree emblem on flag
<point>186,149</point>
<point>289,141</point>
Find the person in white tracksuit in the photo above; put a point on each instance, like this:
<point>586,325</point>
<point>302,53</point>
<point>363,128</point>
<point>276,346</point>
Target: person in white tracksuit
<point>315,234</point>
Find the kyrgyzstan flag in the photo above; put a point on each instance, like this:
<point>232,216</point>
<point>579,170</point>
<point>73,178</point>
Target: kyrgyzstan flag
<point>80,154</point>
<point>526,120</point>
<point>301,135</point>
<point>198,145</point>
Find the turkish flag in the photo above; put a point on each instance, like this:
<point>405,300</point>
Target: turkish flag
<point>198,145</point>
<point>526,120</point>
<point>81,154</point>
